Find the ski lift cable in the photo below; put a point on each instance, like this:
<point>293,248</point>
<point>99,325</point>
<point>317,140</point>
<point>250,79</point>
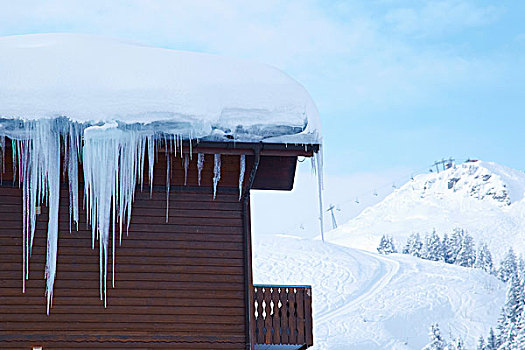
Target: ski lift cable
<point>374,192</point>
<point>410,176</point>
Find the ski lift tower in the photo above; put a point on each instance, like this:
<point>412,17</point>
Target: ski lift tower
<point>331,210</point>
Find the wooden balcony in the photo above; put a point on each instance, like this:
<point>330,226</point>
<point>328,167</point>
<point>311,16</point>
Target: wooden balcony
<point>282,317</point>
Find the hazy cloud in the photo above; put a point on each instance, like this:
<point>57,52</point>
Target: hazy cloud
<point>441,17</point>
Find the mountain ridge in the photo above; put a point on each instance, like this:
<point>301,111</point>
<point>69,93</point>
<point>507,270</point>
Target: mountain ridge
<point>485,198</point>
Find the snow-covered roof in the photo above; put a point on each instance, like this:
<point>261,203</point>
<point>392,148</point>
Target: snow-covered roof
<point>91,79</point>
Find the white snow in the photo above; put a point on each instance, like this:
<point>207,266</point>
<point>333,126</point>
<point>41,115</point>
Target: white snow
<point>367,301</point>
<point>91,79</point>
<point>486,199</point>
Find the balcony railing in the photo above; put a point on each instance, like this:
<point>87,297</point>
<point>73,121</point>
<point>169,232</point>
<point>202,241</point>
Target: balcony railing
<point>283,315</point>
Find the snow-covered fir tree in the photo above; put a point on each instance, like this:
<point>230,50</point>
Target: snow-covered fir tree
<point>481,344</point>
<point>492,342</point>
<point>436,339</point>
<point>414,246</point>
<point>454,244</point>
<point>432,249</point>
<point>446,252</point>
<point>519,340</point>
<point>508,266</point>
<point>507,324</point>
<point>386,245</point>
<point>484,259</point>
<point>456,345</point>
<point>521,269</point>
<point>467,253</point>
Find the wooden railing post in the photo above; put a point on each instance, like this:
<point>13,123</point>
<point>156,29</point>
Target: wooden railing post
<point>308,316</point>
<point>284,315</point>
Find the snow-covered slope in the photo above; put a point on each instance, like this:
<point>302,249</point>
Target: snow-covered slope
<point>367,301</point>
<point>486,199</point>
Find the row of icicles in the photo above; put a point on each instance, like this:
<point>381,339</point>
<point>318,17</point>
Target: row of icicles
<point>113,164</point>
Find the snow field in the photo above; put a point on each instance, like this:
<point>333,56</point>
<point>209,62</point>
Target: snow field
<point>363,300</point>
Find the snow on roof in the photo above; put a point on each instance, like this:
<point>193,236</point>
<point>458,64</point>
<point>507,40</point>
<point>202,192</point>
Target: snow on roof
<point>91,79</point>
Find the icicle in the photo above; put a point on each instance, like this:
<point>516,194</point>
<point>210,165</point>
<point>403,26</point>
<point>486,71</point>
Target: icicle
<point>168,175</point>
<point>53,180</point>
<point>186,164</point>
<point>241,174</point>
<point>151,160</point>
<point>320,186</point>
<point>180,138</point>
<point>72,156</point>
<point>37,155</point>
<point>191,146</point>
<point>2,145</point>
<point>216,173</point>
<point>101,161</point>
<point>140,160</point>
<point>174,144</point>
<point>200,165</point>
<point>25,216</point>
<point>111,161</point>
<point>15,158</point>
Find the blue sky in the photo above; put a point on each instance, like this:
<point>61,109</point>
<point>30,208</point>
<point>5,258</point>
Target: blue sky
<point>399,84</point>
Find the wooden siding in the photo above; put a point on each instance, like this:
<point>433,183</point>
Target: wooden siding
<point>178,285</point>
<point>275,173</point>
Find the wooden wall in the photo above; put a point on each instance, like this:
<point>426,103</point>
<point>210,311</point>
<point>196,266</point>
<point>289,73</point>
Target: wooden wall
<point>178,285</point>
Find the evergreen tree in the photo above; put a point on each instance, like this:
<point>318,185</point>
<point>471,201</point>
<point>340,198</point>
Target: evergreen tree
<point>521,269</point>
<point>433,249</point>
<point>467,254</point>
<point>500,329</point>
<point>511,310</point>
<point>458,344</point>
<point>519,330</point>
<point>386,245</point>
<point>519,340</point>
<point>455,242</point>
<point>484,259</point>
<point>446,252</point>
<point>414,245</point>
<point>508,267</point>
<point>383,243</point>
<point>436,339</point>
<point>492,343</point>
<point>481,344</point>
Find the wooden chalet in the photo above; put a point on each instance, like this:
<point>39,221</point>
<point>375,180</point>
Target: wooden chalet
<point>180,282</point>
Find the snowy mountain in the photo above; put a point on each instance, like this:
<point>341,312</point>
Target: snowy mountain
<point>366,301</point>
<point>484,198</point>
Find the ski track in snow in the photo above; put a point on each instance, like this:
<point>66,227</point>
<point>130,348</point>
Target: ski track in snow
<point>388,268</point>
<point>363,300</point>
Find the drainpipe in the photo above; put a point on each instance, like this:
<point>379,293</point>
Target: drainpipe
<point>245,199</point>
